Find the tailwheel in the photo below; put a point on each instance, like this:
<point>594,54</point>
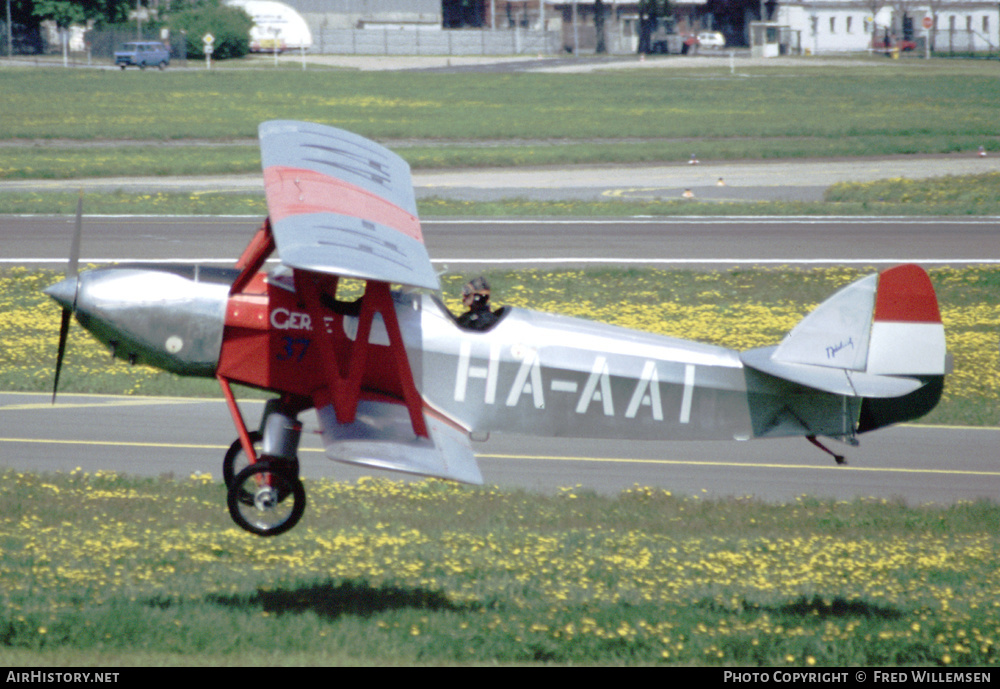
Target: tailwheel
<point>837,458</point>
<point>267,498</point>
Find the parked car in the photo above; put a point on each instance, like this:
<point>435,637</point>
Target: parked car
<point>674,43</point>
<point>887,44</point>
<point>711,39</point>
<point>143,54</point>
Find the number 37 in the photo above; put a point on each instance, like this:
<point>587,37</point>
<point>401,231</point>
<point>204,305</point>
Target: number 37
<point>294,348</point>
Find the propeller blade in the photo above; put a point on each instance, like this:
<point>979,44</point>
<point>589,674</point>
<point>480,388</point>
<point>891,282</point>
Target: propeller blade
<point>67,315</point>
<point>72,270</point>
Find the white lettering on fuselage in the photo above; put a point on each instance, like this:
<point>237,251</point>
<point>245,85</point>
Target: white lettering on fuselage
<point>530,368</point>
<point>598,376</point>
<point>528,383</point>
<point>283,319</point>
<point>647,393</point>
<point>487,373</point>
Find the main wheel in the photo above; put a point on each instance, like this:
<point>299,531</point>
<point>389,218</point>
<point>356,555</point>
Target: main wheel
<point>266,498</point>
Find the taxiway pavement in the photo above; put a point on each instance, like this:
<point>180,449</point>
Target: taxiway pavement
<point>154,436</point>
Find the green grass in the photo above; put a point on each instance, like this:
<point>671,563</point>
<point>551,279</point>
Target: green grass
<point>198,123</point>
<point>102,569</point>
<point>55,162</point>
<point>870,108</point>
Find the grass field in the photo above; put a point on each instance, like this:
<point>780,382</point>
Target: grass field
<point>200,123</point>
<point>101,569</point>
<point>871,108</point>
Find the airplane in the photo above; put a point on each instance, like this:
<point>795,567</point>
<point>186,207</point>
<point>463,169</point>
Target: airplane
<point>398,384</point>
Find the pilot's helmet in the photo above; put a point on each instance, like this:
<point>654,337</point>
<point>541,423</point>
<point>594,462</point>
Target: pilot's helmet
<point>476,291</point>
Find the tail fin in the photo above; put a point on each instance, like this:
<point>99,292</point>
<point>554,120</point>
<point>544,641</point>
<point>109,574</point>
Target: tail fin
<point>884,324</point>
<point>880,338</point>
<point>907,339</point>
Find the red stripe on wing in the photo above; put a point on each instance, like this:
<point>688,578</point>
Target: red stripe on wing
<point>295,191</point>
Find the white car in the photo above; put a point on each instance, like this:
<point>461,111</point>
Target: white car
<point>711,39</point>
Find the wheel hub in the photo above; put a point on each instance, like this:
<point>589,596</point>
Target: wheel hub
<point>265,499</point>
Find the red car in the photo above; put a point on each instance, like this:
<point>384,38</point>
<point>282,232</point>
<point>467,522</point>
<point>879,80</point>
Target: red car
<point>888,44</point>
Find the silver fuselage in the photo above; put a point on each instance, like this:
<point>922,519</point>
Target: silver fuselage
<point>533,373</point>
<point>550,375</point>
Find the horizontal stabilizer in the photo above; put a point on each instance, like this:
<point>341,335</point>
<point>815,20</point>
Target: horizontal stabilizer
<point>342,204</point>
<point>381,436</point>
<point>835,381</point>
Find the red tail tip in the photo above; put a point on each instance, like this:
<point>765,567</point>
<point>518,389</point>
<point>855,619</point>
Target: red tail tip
<point>905,294</point>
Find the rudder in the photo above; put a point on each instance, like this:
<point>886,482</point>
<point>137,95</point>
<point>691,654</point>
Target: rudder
<point>907,339</point>
<point>907,335</point>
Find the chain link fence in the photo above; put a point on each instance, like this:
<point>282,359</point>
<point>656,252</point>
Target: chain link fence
<point>961,42</point>
<point>451,42</point>
<point>22,41</point>
<point>96,46</point>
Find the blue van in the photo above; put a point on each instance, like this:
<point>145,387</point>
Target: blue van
<point>143,54</point>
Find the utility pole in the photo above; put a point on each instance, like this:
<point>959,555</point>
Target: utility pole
<point>10,34</point>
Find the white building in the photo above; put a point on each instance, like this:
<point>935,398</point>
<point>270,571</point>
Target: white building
<point>828,26</point>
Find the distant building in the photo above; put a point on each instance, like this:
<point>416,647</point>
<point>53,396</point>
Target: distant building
<point>361,14</point>
<point>830,26</point>
<point>818,26</point>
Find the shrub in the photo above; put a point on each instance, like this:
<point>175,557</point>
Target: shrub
<point>230,26</point>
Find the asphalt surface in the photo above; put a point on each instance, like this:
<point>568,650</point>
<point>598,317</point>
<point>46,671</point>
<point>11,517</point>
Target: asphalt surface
<point>178,437</point>
<point>474,244</point>
<point>786,180</point>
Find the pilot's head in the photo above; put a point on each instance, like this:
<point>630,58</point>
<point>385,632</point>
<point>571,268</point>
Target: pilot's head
<point>476,293</point>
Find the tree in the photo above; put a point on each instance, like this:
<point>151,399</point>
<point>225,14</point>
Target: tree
<point>650,12</point>
<point>64,13</point>
<point>599,26</point>
<point>67,12</point>
<point>874,6</point>
<point>229,25</point>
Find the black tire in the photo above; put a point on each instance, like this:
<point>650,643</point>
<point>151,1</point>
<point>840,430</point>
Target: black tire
<point>236,459</point>
<point>162,66</point>
<point>278,499</point>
